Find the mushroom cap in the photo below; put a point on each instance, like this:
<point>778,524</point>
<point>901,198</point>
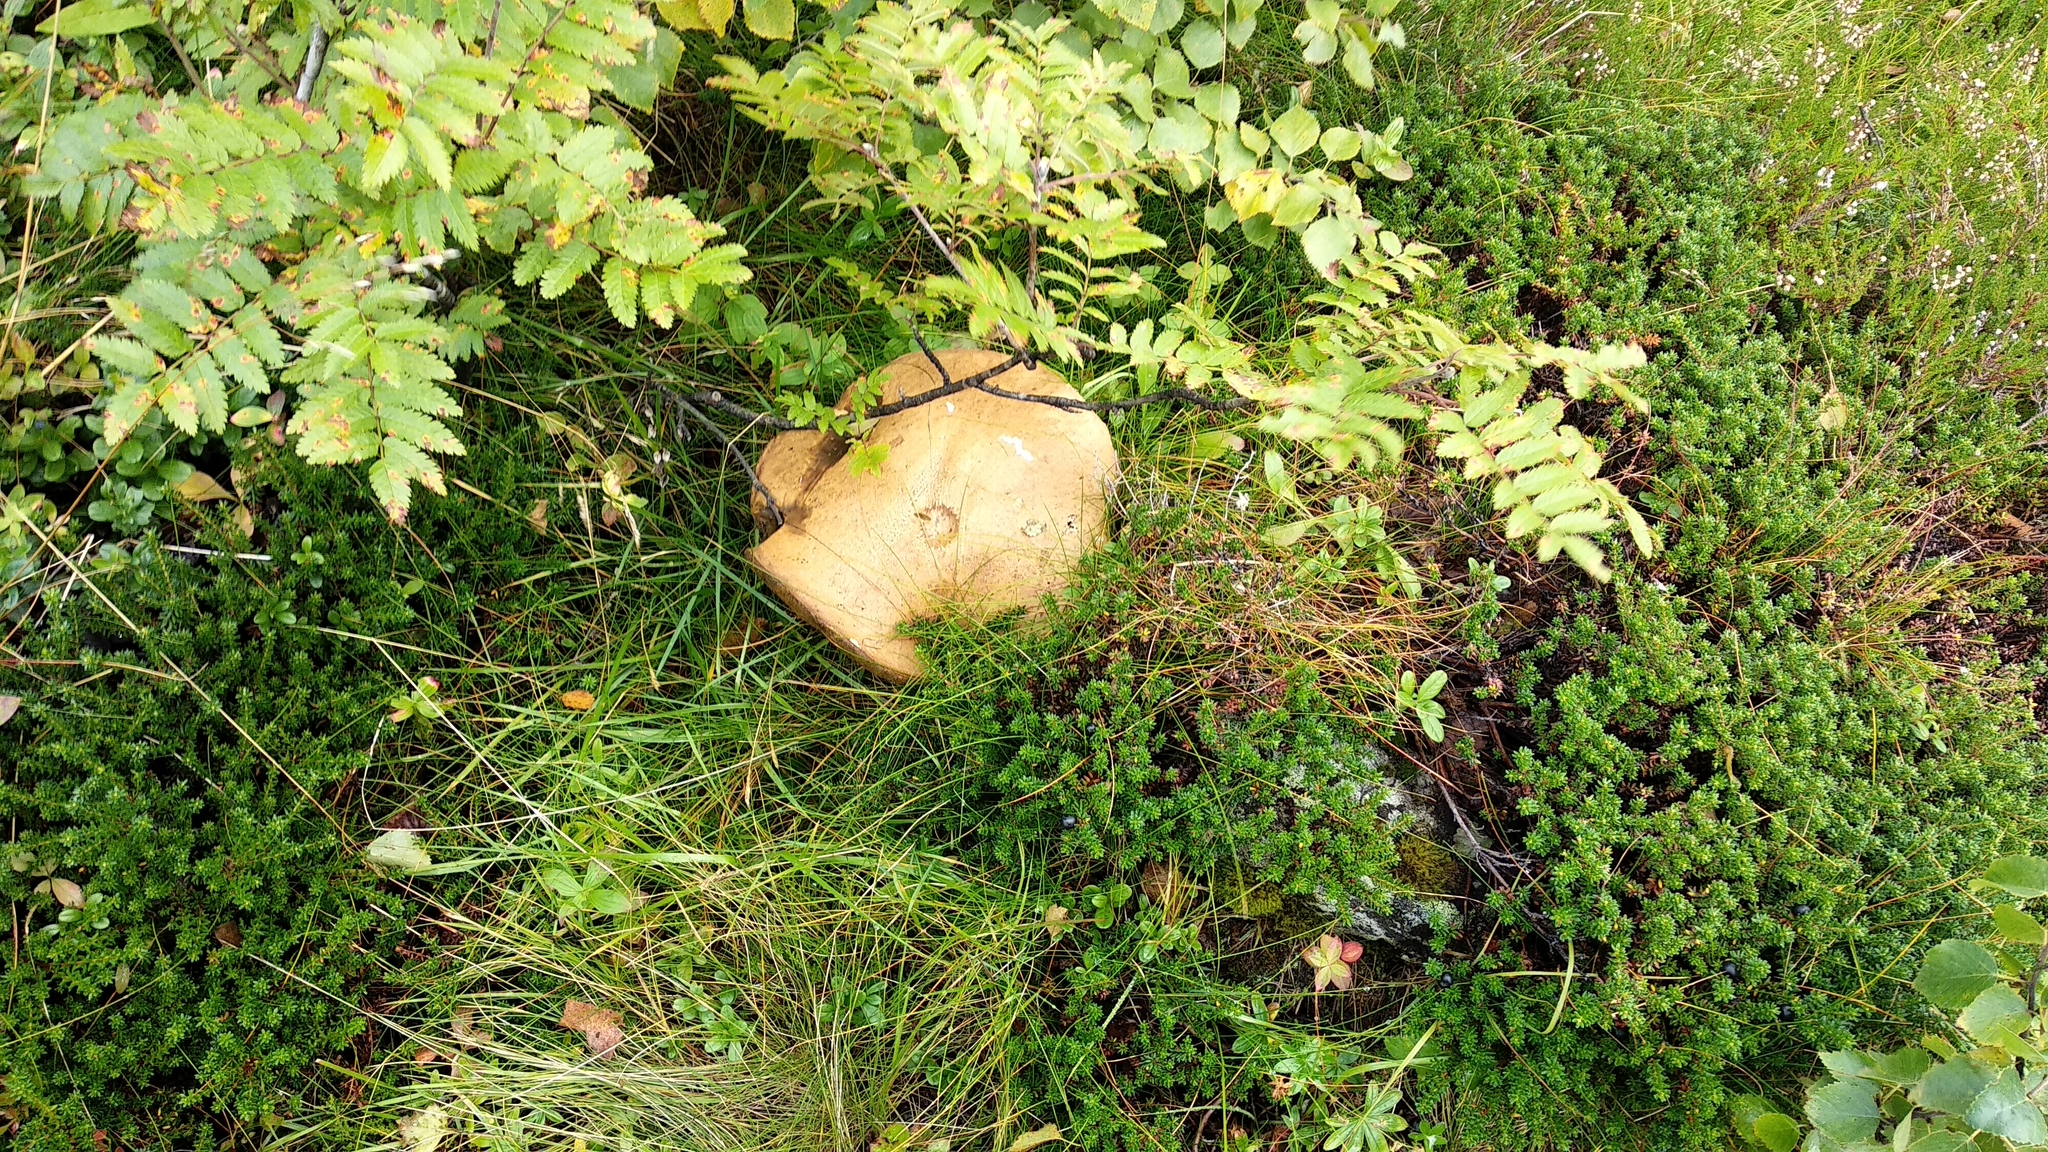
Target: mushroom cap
<point>983,504</point>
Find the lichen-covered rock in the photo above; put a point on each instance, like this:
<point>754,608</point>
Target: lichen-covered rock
<point>983,505</point>
<point>1428,863</point>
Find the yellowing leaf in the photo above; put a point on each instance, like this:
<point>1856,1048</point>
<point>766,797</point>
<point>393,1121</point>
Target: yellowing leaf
<point>1332,958</point>
<point>199,488</point>
<point>771,19</point>
<point>398,851</point>
<point>422,1131</point>
<point>1047,1135</point>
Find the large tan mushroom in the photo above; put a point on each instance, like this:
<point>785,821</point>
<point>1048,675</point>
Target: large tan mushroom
<point>983,505</point>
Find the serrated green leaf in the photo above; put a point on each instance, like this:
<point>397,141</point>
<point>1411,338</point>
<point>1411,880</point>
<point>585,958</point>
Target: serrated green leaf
<point>1586,555</point>
<point>1995,1015</point>
<point>1955,973</point>
<point>1339,143</point>
<point>427,147</point>
<point>1296,131</point>
<point>2003,1109</point>
<point>771,19</point>
<point>129,404</point>
<point>97,18</point>
<point>2024,876</point>
<point>2017,926</point>
<point>575,258</point>
<point>1358,61</point>
<point>1202,42</point>
<point>1845,1109</point>
<point>622,290</point>
<point>1327,242</point>
<point>384,156</point>
<point>398,851</point>
<point>1953,1085</point>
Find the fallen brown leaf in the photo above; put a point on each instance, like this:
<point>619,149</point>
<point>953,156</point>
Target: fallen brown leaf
<point>229,934</point>
<point>464,1029</point>
<point>66,893</point>
<point>600,1027</point>
<point>9,705</point>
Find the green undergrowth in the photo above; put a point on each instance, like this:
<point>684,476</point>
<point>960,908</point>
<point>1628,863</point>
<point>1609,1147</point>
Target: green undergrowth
<point>1719,804</point>
<point>1750,776</point>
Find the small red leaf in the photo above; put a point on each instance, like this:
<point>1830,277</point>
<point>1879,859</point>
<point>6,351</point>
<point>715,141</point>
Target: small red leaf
<point>1352,951</point>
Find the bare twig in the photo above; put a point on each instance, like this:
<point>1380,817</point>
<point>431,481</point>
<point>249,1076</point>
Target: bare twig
<point>979,382</point>
<point>253,51</point>
<point>191,73</point>
<point>732,449</point>
<point>945,247</point>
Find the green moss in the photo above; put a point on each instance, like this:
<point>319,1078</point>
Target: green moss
<point>1428,867</point>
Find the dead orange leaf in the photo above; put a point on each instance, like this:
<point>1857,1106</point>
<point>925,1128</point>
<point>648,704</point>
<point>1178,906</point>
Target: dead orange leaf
<point>577,700</point>
<point>600,1027</point>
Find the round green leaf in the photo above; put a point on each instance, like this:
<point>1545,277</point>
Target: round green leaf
<point>398,851</point>
<point>771,19</point>
<point>1170,75</point>
<point>1776,1131</point>
<point>1296,131</point>
<point>2003,1109</point>
<point>1997,1013</point>
<point>1203,43</point>
<point>1845,1109</point>
<point>2017,926</point>
<point>2024,876</point>
<point>1339,144</point>
<point>1955,973</point>
<point>1952,1086</point>
<point>1328,241</point>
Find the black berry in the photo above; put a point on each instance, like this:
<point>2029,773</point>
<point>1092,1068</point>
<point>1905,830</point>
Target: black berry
<point>1729,970</point>
<point>1784,1012</point>
<point>1802,910</point>
<point>1068,821</point>
<point>1445,980</point>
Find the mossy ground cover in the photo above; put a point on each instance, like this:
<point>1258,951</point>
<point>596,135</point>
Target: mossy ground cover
<point>1715,807</point>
